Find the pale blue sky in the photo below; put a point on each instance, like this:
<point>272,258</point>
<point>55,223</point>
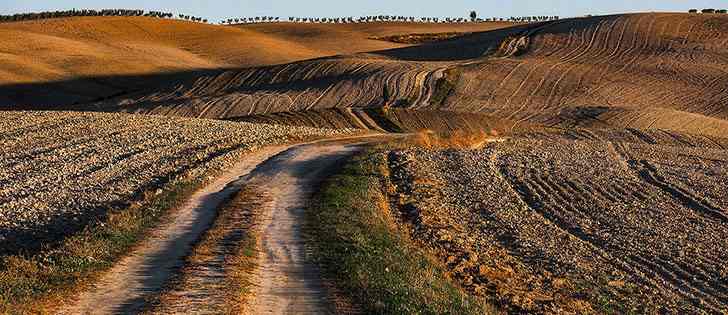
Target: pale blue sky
<point>215,10</point>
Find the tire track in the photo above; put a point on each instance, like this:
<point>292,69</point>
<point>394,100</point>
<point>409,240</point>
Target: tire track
<point>561,204</point>
<point>650,175</point>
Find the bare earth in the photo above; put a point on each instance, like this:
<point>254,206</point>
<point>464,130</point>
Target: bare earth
<point>645,71</point>
<point>558,226</point>
<point>609,197</point>
<point>61,170</point>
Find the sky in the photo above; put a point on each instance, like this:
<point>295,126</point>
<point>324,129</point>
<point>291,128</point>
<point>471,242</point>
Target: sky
<point>216,10</point>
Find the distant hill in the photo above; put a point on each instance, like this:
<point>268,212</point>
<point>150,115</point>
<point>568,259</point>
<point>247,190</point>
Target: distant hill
<point>67,48</point>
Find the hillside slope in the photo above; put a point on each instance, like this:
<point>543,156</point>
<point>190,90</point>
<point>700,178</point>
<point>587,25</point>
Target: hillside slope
<point>640,70</point>
<point>101,46</point>
<point>96,54</point>
<point>631,62</point>
<point>666,70</point>
<point>327,39</point>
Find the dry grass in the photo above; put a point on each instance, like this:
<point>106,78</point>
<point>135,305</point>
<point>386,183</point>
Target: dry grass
<point>110,56</point>
<point>643,70</point>
<point>648,70</point>
<point>338,39</point>
<point>457,139</point>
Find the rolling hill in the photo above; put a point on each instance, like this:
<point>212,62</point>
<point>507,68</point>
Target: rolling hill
<point>637,70</point>
<point>621,68</point>
<point>652,70</point>
<point>569,166</point>
<point>77,59</point>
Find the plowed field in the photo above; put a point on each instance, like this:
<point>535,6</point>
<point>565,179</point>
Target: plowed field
<point>558,225</point>
<point>666,71</point>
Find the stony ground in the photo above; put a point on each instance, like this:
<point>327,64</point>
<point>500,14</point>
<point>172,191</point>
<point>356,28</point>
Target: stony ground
<point>62,169</point>
<point>558,225</point>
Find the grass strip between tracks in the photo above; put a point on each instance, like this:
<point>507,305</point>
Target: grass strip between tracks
<point>232,237</point>
<point>357,242</point>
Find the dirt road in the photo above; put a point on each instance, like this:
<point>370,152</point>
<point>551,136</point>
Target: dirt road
<point>286,283</point>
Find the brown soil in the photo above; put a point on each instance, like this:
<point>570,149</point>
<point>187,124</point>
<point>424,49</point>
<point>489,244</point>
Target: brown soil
<point>279,279</point>
<point>284,279</point>
<point>391,120</point>
<point>216,276</point>
<point>128,285</point>
<point>288,283</point>
<point>558,225</point>
<point>615,203</point>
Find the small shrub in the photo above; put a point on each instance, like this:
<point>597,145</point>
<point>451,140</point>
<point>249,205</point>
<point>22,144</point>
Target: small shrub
<point>444,87</point>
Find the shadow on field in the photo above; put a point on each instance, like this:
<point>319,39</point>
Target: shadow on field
<point>73,93</point>
<point>480,44</point>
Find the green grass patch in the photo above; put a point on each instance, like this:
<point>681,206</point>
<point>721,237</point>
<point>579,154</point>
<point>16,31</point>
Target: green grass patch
<point>39,283</point>
<point>359,246</point>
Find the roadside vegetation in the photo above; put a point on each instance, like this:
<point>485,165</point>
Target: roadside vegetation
<point>359,244</point>
<point>459,139</point>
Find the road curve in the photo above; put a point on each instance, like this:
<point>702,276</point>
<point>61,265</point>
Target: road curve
<point>286,284</point>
